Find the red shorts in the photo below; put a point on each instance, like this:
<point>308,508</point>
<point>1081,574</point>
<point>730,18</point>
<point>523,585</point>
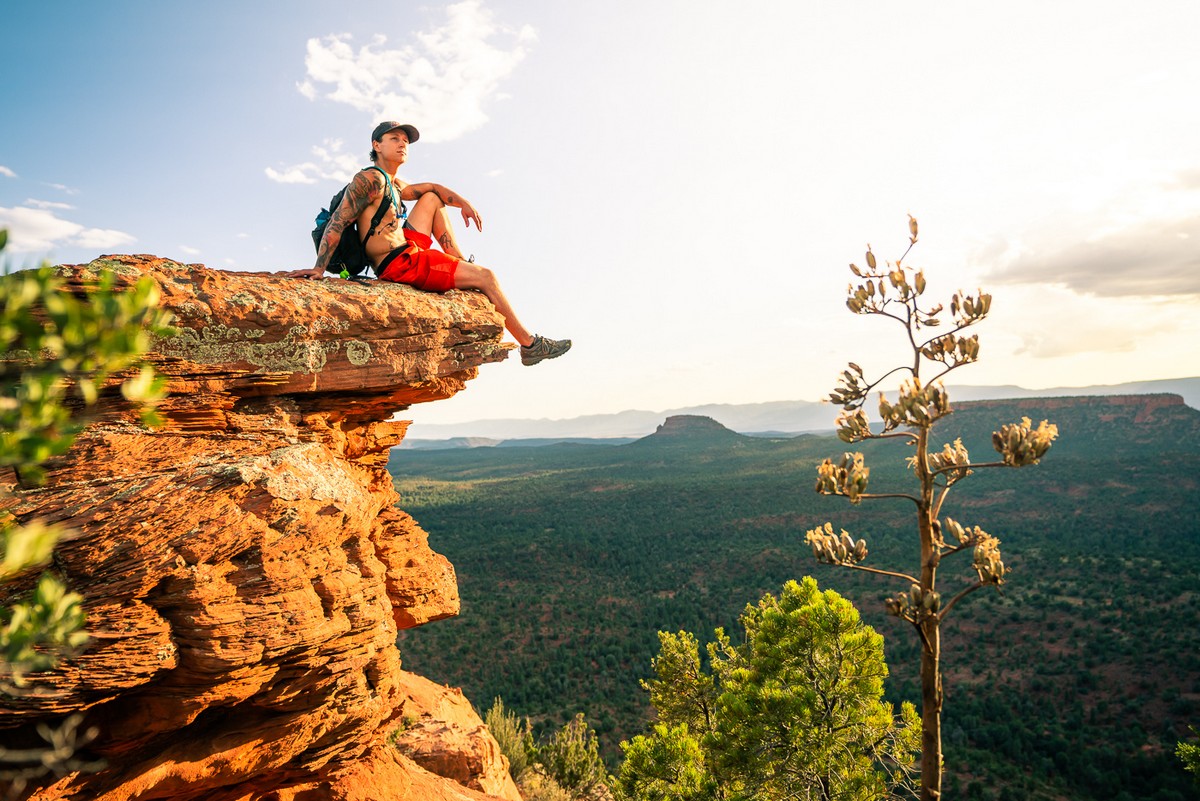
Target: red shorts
<point>416,265</point>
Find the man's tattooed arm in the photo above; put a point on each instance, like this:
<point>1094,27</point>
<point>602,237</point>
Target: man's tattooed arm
<point>362,191</point>
<point>448,197</point>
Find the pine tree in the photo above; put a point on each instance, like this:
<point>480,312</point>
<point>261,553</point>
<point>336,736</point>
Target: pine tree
<point>795,711</point>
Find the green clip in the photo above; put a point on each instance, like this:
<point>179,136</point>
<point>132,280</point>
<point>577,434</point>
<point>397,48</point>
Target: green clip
<point>344,273</point>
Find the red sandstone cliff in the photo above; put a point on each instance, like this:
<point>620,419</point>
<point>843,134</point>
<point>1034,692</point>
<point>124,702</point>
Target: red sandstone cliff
<point>244,567</point>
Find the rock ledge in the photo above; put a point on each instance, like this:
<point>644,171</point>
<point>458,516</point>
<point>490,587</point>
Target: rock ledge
<point>244,567</point>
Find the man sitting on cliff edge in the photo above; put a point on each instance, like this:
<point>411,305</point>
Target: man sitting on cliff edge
<point>400,249</point>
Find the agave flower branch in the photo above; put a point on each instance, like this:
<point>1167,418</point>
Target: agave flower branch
<point>896,292</point>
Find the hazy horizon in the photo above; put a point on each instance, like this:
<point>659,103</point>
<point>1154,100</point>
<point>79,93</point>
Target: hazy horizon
<point>754,417</point>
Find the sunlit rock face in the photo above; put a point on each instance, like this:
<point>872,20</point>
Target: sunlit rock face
<point>244,567</point>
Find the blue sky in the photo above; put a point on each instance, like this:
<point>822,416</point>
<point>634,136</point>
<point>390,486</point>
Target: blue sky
<point>677,186</point>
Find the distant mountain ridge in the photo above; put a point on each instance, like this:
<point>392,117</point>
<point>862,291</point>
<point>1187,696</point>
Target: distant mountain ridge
<point>774,417</point>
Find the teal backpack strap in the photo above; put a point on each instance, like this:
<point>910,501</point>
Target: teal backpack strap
<point>402,212</point>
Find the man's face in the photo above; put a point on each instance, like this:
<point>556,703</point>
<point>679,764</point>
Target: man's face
<point>393,146</point>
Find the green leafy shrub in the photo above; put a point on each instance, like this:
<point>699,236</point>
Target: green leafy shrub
<point>571,756</point>
<point>513,736</point>
<point>1190,754</point>
<point>566,764</point>
<point>58,355</point>
<point>537,786</point>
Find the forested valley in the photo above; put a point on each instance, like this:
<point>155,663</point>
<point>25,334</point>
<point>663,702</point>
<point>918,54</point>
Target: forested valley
<point>1074,682</point>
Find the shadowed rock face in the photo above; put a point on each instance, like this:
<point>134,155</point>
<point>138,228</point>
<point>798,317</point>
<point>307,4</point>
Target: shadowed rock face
<point>244,568</point>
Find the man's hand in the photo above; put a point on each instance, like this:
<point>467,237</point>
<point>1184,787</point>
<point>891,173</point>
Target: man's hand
<point>311,272</point>
<point>469,214</point>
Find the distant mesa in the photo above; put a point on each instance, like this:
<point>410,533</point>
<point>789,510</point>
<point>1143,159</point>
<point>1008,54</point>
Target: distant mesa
<point>468,442</point>
<point>692,427</point>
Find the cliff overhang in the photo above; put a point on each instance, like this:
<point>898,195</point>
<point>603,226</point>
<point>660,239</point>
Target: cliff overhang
<point>244,567</point>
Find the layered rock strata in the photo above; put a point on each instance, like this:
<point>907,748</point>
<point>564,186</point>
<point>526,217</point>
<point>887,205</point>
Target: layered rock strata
<point>244,567</point>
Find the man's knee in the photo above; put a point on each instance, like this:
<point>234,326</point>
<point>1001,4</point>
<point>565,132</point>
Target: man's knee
<point>429,201</point>
<point>424,210</point>
<point>473,276</point>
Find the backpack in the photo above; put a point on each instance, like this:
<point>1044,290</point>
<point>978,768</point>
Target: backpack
<point>349,258</point>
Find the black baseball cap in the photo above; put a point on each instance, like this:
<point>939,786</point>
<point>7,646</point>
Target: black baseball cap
<point>391,125</point>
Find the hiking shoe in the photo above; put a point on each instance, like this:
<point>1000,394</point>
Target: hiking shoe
<point>543,348</point>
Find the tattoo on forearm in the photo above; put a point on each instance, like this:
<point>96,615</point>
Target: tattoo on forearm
<point>329,244</point>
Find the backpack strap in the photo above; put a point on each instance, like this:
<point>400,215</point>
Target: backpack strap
<point>390,199</point>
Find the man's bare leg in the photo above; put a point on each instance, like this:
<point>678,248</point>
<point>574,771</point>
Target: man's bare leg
<point>472,276</point>
<point>430,216</point>
<point>443,234</point>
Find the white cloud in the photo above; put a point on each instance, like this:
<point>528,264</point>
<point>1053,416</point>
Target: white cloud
<point>1042,336</point>
<point>39,230</point>
<point>101,238</point>
<point>331,163</point>
<point>188,250</point>
<point>1151,258</point>
<point>1051,323</point>
<point>35,230</point>
<point>441,80</point>
<point>47,204</point>
<point>297,174</point>
<point>1136,242</point>
<point>67,190</point>
<point>6,172</point>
